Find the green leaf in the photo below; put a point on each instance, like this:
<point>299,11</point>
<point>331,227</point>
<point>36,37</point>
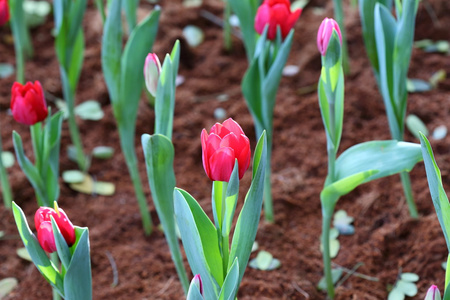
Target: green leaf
<point>246,12</point>
<point>7,285</point>
<point>73,176</point>
<point>78,278</point>
<point>112,50</point>
<point>335,275</point>
<point>387,157</point>
<point>23,254</point>
<point>231,200</point>
<point>194,292</point>
<point>6,70</point>
<point>396,294</point>
<point>200,241</point>
<point>248,220</point>
<point>7,159</point>
<point>438,195</point>
<point>61,245</point>
<point>89,110</point>
<point>37,254</point>
<point>231,283</point>
<point>264,261</point>
<point>411,277</point>
<point>415,125</point>
<point>343,222</point>
<point>408,288</point>
<point>103,152</point>
<point>193,35</point>
<point>131,81</point>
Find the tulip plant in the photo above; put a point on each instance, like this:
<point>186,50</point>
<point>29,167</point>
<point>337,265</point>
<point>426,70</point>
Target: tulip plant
<point>56,234</point>
<point>442,207</point>
<point>69,45</point>
<point>159,151</point>
<point>226,156</point>
<point>4,182</point>
<point>359,164</point>
<point>22,41</point>
<point>28,107</point>
<point>274,21</point>
<point>389,44</point>
<point>124,79</point>
<point>195,289</point>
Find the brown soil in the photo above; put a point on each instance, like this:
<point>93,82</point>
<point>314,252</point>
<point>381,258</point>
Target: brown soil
<point>386,239</point>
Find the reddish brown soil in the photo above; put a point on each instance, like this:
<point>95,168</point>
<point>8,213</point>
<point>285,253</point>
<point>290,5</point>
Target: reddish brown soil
<point>386,239</point>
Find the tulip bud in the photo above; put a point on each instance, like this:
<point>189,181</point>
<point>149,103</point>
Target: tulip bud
<point>197,280</point>
<point>225,143</point>
<point>276,13</point>
<point>28,104</point>
<point>433,293</point>
<point>4,12</point>
<point>44,228</point>
<point>325,33</point>
<point>152,69</point>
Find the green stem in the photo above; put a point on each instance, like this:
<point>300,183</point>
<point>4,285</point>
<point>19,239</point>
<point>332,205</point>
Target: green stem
<point>73,128</point>
<point>326,222</point>
<point>177,258</point>
<point>131,160</point>
<point>20,62</point>
<point>339,16</point>
<point>225,254</point>
<point>6,188</point>
<point>54,258</point>
<point>227,26</point>
<point>406,182</point>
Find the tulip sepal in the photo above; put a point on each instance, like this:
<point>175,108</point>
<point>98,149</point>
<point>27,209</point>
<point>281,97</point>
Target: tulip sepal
<point>220,266</point>
<point>44,174</point>
<point>74,280</point>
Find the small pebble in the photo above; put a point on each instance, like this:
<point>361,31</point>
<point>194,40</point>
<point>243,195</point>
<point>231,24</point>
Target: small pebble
<point>290,70</point>
<point>440,132</point>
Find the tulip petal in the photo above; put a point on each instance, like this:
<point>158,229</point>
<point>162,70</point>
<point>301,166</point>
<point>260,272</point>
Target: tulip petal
<point>221,164</point>
<point>233,126</point>
<point>262,18</point>
<point>45,237</point>
<point>289,23</point>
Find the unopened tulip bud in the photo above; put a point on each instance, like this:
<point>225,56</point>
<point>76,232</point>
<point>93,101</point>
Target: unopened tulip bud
<point>325,33</point>
<point>152,69</point>
<point>433,293</point>
<point>44,227</point>
<point>4,12</point>
<point>197,280</point>
<point>224,144</point>
<point>28,104</point>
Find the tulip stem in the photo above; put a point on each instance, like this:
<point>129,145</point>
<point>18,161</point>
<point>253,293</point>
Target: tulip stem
<point>127,144</point>
<point>326,222</point>
<point>406,182</point>
<point>55,261</point>
<point>6,188</point>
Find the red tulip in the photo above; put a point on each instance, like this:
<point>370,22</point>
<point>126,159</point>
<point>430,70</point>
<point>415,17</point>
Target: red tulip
<point>44,228</point>
<point>225,143</point>
<point>28,104</point>
<point>276,13</point>
<point>4,12</point>
<point>325,33</point>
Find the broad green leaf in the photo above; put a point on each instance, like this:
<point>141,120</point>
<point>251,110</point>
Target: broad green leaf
<point>61,245</point>
<point>246,12</point>
<point>335,274</point>
<point>415,125</point>
<point>78,278</point>
<point>131,81</point>
<point>248,220</point>
<point>408,288</point>
<point>7,285</point>
<point>37,254</point>
<point>112,50</point>
<point>231,283</point>
<point>230,200</point>
<point>438,195</point>
<point>130,7</point>
<point>387,157</point>
<point>200,242</point>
